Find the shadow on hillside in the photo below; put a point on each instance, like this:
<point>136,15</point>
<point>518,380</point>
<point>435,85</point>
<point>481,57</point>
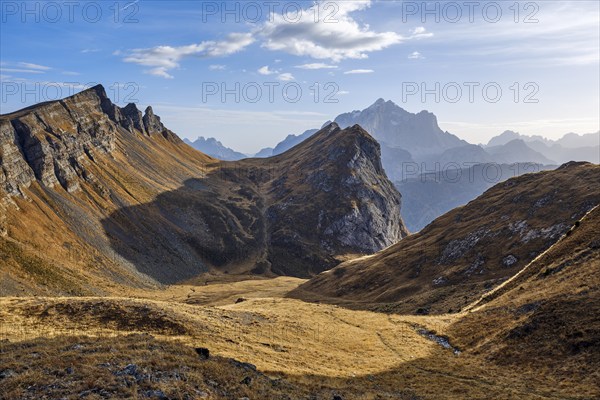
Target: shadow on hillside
<point>184,232</point>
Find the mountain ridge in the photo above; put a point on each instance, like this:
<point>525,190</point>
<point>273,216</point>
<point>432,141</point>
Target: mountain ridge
<point>114,197</point>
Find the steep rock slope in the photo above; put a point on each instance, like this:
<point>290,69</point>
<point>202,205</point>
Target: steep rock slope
<point>332,186</point>
<point>467,251</point>
<point>64,166</point>
<point>104,196</point>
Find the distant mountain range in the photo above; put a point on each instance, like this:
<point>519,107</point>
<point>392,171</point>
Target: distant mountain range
<point>413,147</point>
<point>214,148</point>
<point>571,147</point>
<point>286,144</point>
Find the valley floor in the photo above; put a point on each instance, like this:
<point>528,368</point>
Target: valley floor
<point>142,346</point>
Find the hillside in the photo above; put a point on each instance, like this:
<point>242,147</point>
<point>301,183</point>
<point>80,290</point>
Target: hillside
<point>546,317</point>
<point>467,251</point>
<point>103,196</point>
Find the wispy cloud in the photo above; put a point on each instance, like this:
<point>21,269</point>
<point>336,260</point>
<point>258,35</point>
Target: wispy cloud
<point>33,66</point>
<point>286,77</point>
<point>415,55</point>
<point>159,71</point>
<point>316,66</point>
<point>217,67</point>
<point>566,34</point>
<point>129,5</point>
<point>24,71</point>
<point>359,71</point>
<point>166,58</point>
<point>23,67</point>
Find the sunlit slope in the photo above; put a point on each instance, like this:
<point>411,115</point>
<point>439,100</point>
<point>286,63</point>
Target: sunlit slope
<point>467,251</point>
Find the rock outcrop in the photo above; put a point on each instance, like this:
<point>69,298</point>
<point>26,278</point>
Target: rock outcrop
<point>334,187</point>
<point>51,142</point>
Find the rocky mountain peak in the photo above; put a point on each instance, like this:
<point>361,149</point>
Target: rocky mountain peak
<point>342,167</point>
<point>389,123</point>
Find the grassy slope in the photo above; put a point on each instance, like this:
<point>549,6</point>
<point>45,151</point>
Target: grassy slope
<point>64,230</point>
<point>464,249</point>
<point>537,339</point>
<point>303,349</point>
<point>547,318</point>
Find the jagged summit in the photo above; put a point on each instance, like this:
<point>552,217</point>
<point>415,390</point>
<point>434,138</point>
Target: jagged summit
<point>49,142</point>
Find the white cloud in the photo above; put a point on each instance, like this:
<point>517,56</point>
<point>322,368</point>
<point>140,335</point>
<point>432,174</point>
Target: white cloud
<point>33,66</point>
<point>420,32</point>
<point>23,67</point>
<point>71,73</point>
<point>316,66</point>
<point>266,71</point>
<point>165,58</point>
<point>286,77</point>
<point>320,32</point>
<point>217,67</point>
<point>415,55</point>
<point>336,38</point>
<point>129,5</point>
<point>159,71</point>
<point>359,71</point>
<point>25,71</point>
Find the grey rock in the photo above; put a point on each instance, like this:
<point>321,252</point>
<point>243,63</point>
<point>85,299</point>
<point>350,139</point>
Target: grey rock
<point>509,260</point>
<point>459,247</point>
<point>7,373</point>
<point>155,394</point>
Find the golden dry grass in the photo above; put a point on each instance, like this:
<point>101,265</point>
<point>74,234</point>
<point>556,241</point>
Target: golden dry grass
<point>313,349</point>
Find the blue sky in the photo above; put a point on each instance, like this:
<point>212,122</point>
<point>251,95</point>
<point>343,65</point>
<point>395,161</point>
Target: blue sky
<point>191,59</point>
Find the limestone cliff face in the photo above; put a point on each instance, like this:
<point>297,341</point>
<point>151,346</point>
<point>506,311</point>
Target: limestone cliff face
<point>51,142</point>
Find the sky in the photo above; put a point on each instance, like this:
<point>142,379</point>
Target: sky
<point>251,72</point>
